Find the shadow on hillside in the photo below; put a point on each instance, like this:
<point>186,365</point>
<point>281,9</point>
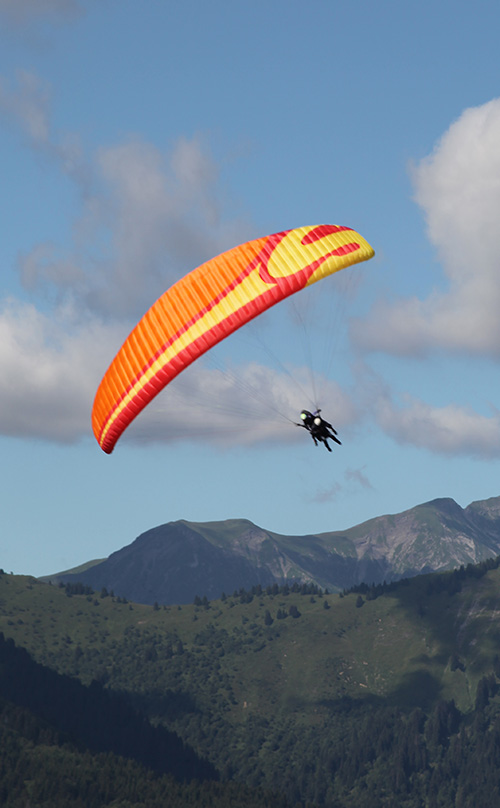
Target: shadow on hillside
<point>165,706</point>
<point>93,718</point>
<point>452,616</point>
<point>346,704</point>
<point>416,689</point>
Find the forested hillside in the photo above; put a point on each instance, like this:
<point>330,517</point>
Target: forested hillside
<point>65,743</point>
<point>379,696</point>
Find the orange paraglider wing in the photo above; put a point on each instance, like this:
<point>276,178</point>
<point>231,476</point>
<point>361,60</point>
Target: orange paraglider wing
<point>206,306</point>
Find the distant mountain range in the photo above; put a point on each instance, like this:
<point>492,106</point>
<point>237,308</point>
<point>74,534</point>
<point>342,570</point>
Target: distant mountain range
<point>173,563</point>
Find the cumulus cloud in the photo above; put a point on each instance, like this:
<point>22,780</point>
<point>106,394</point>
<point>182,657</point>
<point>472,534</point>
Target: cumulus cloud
<point>245,405</point>
<point>48,368</point>
<point>146,217</point>
<point>27,104</point>
<point>458,189</point>
<point>162,218</point>
<point>449,430</point>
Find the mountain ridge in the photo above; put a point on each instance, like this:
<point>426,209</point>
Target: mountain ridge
<point>174,562</point>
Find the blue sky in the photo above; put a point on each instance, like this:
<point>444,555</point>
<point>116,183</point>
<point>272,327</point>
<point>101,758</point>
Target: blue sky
<point>138,140</point>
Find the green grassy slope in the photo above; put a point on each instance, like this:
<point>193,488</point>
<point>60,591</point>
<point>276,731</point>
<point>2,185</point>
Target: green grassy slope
<point>265,701</point>
<point>57,576</point>
<point>382,649</point>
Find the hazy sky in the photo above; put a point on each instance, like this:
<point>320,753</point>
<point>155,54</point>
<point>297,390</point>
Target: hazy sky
<point>139,139</point>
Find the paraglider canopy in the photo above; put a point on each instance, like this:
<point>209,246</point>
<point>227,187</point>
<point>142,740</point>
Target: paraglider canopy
<point>206,306</point>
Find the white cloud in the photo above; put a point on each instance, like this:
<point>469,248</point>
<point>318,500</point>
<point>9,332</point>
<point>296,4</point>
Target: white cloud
<point>50,366</point>
<point>28,104</point>
<point>141,226</point>
<point>146,218</point>
<point>48,371</point>
<point>246,405</point>
<point>449,430</point>
<point>161,217</point>
<point>458,188</point>
<point>46,265</point>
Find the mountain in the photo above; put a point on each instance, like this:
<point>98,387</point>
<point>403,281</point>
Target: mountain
<point>175,562</point>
